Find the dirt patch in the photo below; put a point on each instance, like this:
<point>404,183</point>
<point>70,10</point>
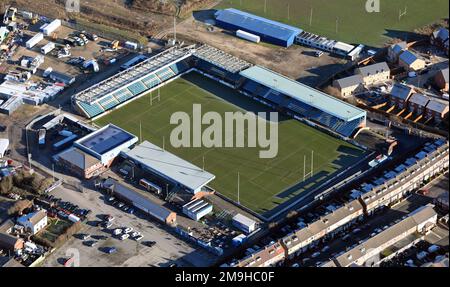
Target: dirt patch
<point>144,16</point>
<point>295,62</point>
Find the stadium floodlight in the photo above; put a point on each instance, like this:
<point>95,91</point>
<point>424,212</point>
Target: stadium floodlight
<point>238,189</point>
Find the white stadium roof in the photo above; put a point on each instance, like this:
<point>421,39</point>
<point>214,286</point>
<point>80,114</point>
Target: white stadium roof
<point>169,165</point>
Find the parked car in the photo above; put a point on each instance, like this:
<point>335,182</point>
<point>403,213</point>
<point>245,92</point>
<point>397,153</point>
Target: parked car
<point>107,224</point>
<point>124,236</point>
<point>90,243</point>
<point>325,249</point>
<point>315,254</point>
<point>149,243</point>
<point>109,218</point>
<point>117,231</point>
<point>110,250</point>
<point>127,230</point>
<point>85,236</point>
<point>139,237</point>
<point>318,54</point>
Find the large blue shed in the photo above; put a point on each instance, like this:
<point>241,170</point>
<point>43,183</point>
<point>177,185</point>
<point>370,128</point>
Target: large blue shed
<point>270,31</point>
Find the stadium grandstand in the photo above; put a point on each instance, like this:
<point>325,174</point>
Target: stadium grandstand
<point>275,90</point>
<point>132,82</point>
<point>302,101</point>
<point>219,64</point>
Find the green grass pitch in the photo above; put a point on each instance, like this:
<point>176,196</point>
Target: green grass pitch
<point>355,24</point>
<point>264,183</point>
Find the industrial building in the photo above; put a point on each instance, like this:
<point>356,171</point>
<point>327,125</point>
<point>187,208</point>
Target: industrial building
<point>319,42</point>
<point>269,31</point>
<point>244,223</point>
<point>197,209</point>
<point>30,93</point>
<point>10,104</point>
<point>62,78</point>
<point>168,166</point>
<point>80,163</point>
<point>106,143</point>
<point>140,201</point>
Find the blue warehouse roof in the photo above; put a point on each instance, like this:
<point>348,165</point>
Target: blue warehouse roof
<point>303,93</point>
<point>252,23</point>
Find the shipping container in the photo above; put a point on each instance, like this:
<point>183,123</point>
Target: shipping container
<point>248,36</point>
<point>51,27</point>
<point>48,48</point>
<point>34,41</point>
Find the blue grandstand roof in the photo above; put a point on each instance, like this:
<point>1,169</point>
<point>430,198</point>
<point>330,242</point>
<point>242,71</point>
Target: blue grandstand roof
<point>255,23</point>
<point>303,93</point>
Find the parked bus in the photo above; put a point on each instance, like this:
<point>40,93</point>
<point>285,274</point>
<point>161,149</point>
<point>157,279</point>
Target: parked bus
<point>133,62</point>
<point>149,186</point>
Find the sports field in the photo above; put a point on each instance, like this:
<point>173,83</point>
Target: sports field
<point>354,23</point>
<point>264,183</point>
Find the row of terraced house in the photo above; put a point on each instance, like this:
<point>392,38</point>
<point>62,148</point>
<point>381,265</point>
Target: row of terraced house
<point>430,161</point>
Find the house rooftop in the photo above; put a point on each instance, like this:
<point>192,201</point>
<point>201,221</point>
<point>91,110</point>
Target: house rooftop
<point>373,69</point>
<point>350,81</point>
<point>419,99</point>
<point>401,91</point>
